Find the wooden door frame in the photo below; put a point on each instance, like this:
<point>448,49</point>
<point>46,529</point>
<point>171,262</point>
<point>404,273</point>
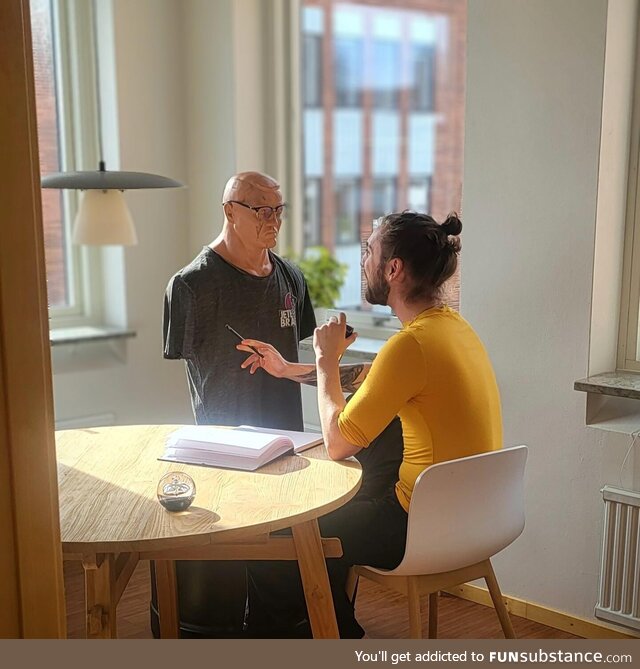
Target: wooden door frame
<point>31,578</point>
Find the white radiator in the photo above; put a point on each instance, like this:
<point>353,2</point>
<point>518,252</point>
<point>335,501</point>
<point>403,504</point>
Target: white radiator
<point>619,592</point>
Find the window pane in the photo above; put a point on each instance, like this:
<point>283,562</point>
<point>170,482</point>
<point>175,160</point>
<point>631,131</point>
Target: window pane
<point>49,149</point>
<point>348,71</point>
<point>419,190</point>
<point>312,76</point>
<point>383,90</point>
<point>347,211</point>
<point>423,74</point>
<point>386,65</point>
<point>312,212</point>
<point>384,197</point>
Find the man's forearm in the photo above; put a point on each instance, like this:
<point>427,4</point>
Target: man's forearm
<point>330,403</point>
<point>350,376</point>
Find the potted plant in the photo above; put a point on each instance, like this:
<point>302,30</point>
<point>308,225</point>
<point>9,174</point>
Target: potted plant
<point>324,275</point>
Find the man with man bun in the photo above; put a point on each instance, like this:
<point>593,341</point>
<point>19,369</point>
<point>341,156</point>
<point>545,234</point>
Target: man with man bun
<point>434,374</point>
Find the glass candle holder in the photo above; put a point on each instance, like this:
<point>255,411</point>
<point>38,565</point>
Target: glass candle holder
<point>176,491</point>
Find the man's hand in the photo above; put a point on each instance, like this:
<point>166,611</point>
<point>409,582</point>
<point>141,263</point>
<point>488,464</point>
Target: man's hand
<point>329,340</point>
<point>272,362</point>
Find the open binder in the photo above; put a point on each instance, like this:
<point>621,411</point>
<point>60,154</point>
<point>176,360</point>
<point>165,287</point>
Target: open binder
<point>244,447</point>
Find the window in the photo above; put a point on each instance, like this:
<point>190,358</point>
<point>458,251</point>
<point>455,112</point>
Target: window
<point>347,211</point>
<point>64,70</point>
<point>386,64</point>
<point>422,77</point>
<point>628,357</point>
<point>312,77</point>
<point>382,97</point>
<point>348,71</point>
<point>384,196</point>
<point>629,330</point>
<point>312,212</point>
<point>419,198</point>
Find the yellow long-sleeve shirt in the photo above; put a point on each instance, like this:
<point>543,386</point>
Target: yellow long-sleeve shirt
<point>436,375</point>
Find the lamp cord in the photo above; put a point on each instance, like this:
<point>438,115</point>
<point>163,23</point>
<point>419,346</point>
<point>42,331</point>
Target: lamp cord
<point>635,436</point>
<point>94,25</point>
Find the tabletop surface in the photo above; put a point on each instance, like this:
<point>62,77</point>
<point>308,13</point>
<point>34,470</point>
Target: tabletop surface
<point>108,476</point>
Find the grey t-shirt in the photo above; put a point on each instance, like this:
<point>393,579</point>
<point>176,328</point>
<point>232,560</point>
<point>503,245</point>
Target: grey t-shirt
<point>210,292</point>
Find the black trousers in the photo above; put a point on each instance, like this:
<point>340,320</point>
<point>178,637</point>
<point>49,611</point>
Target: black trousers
<point>372,531</point>
<point>372,528</point>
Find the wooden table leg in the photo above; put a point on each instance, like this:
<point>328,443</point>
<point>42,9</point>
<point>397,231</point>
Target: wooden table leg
<point>315,580</point>
<point>100,600</point>
<point>167,590</point>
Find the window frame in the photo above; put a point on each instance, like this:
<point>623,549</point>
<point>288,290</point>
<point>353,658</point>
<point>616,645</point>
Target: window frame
<point>629,321</point>
<point>75,63</point>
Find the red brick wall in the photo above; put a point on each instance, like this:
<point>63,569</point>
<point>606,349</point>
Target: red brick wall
<point>48,145</point>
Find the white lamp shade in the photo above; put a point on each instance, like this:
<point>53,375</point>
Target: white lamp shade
<point>104,218</point>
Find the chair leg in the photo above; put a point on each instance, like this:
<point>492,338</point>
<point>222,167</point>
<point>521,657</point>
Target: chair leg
<point>352,582</point>
<point>433,615</point>
<point>498,602</point>
<point>415,617</point>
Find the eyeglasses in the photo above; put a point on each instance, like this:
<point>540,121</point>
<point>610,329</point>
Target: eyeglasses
<point>263,213</point>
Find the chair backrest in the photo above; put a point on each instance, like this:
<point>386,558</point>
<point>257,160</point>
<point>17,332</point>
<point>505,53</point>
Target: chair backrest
<point>464,511</point>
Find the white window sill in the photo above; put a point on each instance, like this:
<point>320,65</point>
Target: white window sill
<point>78,335</point>
<point>364,348</point>
<point>80,349</point>
<point>373,331</point>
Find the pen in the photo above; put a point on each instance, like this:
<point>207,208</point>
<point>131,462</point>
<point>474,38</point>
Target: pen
<point>239,336</point>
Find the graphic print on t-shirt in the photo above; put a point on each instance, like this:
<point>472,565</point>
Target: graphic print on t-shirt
<point>288,314</point>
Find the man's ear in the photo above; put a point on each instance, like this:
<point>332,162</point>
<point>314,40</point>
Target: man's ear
<point>395,268</point>
<point>228,211</point>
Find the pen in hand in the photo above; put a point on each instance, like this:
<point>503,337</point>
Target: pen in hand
<point>241,338</point>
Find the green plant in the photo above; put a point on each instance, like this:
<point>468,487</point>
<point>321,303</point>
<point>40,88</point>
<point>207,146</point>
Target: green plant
<point>324,275</point>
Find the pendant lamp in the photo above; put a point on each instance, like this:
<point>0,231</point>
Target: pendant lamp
<point>103,216</point>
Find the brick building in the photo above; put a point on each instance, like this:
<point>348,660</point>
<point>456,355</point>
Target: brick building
<point>44,71</point>
<point>383,119</point>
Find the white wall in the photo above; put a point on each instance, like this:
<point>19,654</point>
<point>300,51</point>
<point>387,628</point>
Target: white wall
<point>532,141</point>
<point>210,103</point>
<point>224,102</point>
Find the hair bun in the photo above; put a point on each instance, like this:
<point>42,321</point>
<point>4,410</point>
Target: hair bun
<point>452,225</point>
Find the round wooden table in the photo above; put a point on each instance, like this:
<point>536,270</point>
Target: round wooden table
<point>110,518</point>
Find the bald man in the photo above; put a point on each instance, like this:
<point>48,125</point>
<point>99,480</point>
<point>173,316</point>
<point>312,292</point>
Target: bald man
<point>236,280</point>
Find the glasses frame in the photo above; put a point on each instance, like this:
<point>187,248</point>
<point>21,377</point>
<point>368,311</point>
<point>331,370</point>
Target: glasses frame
<point>273,210</point>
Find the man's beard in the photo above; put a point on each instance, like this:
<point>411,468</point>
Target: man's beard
<point>377,291</point>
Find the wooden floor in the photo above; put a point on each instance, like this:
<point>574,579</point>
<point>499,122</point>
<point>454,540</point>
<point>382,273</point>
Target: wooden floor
<point>382,613</point>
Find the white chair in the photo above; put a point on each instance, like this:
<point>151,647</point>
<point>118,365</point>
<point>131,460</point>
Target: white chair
<point>462,513</point>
